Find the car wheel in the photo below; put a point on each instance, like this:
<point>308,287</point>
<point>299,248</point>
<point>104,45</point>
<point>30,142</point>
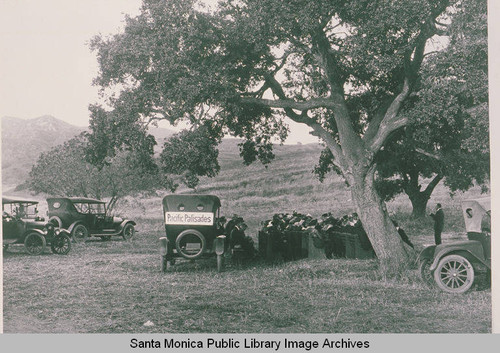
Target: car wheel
<point>128,231</point>
<point>425,272</point>
<point>61,244</point>
<point>454,274</point>
<point>80,233</point>
<point>34,243</point>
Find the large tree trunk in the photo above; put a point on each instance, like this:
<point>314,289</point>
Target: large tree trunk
<point>419,204</point>
<point>389,248</point>
<point>417,197</point>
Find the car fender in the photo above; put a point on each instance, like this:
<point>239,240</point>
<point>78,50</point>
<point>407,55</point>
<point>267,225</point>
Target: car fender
<point>34,231</point>
<point>125,222</point>
<point>57,219</point>
<point>474,251</point>
<point>64,231</point>
<point>427,253</point>
<point>73,225</point>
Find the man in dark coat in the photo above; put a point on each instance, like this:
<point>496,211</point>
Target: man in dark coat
<point>438,223</point>
<point>403,235</point>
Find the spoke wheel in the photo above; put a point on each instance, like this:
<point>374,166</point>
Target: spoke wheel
<point>80,233</point>
<point>61,244</point>
<point>34,244</point>
<point>128,231</point>
<point>454,274</point>
<point>425,272</point>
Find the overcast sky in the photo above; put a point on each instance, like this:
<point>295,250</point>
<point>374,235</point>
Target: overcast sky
<point>46,67</point>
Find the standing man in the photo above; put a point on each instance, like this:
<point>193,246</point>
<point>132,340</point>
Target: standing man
<point>438,223</point>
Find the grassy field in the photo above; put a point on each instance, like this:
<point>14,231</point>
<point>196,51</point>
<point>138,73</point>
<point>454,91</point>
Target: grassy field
<point>117,286</point>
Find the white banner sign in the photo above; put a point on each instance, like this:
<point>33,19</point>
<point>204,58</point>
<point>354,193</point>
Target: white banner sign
<point>189,218</point>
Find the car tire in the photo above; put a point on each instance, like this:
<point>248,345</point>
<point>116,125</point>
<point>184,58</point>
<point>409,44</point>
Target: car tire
<point>128,231</point>
<point>454,274</point>
<point>61,244</point>
<point>190,233</point>
<point>34,243</point>
<point>425,272</point>
<point>80,233</point>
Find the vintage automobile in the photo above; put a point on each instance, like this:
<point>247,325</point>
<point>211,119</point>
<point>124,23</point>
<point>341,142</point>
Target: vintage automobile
<point>22,225</point>
<point>193,229</point>
<point>453,266</point>
<point>84,217</point>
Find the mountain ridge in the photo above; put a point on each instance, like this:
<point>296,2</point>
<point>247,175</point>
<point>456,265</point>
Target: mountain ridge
<point>23,140</point>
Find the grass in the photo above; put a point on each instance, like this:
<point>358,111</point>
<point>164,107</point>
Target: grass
<point>109,287</point>
<point>117,286</point>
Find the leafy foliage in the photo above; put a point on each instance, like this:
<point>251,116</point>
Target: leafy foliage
<point>447,135</point>
<point>63,171</point>
<point>342,67</point>
<point>191,153</point>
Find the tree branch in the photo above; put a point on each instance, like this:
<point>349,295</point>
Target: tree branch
<point>313,103</point>
<point>378,131</point>
<point>391,121</point>
<point>428,190</point>
<point>428,154</point>
<point>289,105</point>
<point>377,119</point>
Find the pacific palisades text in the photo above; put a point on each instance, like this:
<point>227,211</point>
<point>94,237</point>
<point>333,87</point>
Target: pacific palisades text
<point>249,343</point>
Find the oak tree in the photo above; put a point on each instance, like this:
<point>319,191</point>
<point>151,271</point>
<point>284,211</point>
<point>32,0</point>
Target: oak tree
<point>63,171</point>
<point>344,68</point>
<point>447,138</point>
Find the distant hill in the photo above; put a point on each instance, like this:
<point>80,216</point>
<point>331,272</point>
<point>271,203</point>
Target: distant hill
<point>24,139</point>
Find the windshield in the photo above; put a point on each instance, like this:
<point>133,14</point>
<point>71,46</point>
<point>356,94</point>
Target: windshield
<point>21,209</point>
<point>94,208</point>
<point>97,208</point>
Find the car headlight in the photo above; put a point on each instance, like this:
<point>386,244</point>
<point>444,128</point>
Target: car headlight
<point>58,231</point>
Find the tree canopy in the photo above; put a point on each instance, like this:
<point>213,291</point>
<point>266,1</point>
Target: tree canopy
<point>345,68</point>
<point>63,171</point>
<point>447,137</point>
<point>190,154</point>
<point>447,133</point>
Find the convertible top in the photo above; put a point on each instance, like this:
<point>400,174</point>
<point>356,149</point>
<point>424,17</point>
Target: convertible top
<point>77,199</point>
<point>478,208</point>
<point>17,200</point>
<point>191,202</point>
<point>484,202</point>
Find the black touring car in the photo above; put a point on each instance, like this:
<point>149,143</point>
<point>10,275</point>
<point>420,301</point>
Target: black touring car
<point>84,217</point>
<point>22,225</point>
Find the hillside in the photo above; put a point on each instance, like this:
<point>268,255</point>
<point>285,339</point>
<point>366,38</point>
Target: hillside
<point>24,139</point>
<point>254,192</point>
<point>288,184</point>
